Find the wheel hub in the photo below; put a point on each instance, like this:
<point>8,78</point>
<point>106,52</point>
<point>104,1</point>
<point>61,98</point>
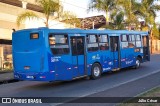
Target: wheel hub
<point>96,71</point>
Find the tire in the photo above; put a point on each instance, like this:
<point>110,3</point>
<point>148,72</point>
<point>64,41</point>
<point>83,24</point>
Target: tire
<point>138,63</point>
<point>96,71</point>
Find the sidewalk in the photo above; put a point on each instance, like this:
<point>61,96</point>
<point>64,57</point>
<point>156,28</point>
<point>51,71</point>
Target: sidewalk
<point>6,76</point>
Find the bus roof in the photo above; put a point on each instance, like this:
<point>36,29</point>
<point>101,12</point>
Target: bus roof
<point>81,31</point>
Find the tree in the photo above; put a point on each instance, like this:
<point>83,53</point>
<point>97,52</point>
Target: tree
<point>70,18</point>
<point>148,10</point>
<point>118,19</point>
<point>131,11</point>
<point>103,5</point>
<point>49,8</point>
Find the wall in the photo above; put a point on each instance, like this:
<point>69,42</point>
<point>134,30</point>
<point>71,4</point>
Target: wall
<point>156,46</point>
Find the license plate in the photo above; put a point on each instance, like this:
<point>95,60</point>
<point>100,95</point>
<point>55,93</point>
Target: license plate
<point>30,77</point>
<point>26,67</point>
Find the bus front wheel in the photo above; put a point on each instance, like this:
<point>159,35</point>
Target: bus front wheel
<point>96,71</point>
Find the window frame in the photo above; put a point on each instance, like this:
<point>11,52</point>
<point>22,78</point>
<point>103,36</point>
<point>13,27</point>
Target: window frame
<point>65,34</point>
<point>99,43</point>
<point>31,36</point>
<point>138,40</point>
<point>126,41</point>
<point>60,34</point>
<point>131,40</point>
<point>88,41</point>
<point>140,37</point>
<point>122,38</point>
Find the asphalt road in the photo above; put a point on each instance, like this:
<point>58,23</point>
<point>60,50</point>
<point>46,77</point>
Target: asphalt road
<point>125,83</point>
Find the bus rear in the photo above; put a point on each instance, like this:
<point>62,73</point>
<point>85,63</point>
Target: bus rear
<point>29,55</point>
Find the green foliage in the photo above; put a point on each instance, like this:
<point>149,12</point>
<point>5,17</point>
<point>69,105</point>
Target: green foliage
<point>145,28</point>
<point>148,10</point>
<point>49,7</point>
<point>6,69</point>
<point>117,19</point>
<point>103,5</point>
<point>26,15</point>
<point>130,9</point>
<point>71,18</point>
<point>6,63</point>
<point>155,32</point>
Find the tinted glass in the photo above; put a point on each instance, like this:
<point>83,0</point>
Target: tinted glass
<point>59,44</point>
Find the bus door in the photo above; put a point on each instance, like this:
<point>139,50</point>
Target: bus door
<point>115,51</point>
<point>146,56</point>
<point>78,56</point>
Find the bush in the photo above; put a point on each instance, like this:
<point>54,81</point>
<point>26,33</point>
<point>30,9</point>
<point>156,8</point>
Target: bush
<point>6,70</point>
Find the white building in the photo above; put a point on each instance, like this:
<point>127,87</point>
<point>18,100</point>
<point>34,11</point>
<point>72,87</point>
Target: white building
<point>9,10</point>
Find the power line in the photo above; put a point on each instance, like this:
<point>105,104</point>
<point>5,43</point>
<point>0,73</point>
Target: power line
<point>74,5</point>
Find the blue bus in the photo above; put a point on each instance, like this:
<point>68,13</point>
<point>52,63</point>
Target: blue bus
<point>44,54</point>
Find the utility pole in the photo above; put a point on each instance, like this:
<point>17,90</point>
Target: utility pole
<point>151,33</point>
<point>93,25</point>
<point>159,31</point>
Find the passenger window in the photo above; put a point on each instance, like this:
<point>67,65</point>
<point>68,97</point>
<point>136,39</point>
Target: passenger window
<point>59,44</point>
<point>131,41</point>
<point>124,41</point>
<point>138,41</point>
<point>92,41</point>
<point>103,43</point>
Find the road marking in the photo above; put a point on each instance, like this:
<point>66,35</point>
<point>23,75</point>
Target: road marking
<point>116,85</point>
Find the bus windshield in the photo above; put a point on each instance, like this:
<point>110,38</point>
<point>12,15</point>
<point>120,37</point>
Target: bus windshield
<point>59,44</point>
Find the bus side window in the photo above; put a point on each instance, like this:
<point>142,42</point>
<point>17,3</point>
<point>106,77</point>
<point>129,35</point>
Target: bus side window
<point>138,41</point>
<point>103,42</point>
<point>131,41</point>
<point>59,44</point>
<point>124,41</point>
<point>92,41</point>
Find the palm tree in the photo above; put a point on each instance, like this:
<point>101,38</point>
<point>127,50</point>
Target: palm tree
<point>117,19</point>
<point>148,10</point>
<point>131,11</point>
<point>71,18</point>
<point>49,8</point>
<point>103,5</point>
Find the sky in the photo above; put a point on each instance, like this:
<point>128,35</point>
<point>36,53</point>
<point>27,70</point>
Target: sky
<point>79,7</point>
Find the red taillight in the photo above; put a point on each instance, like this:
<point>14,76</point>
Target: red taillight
<point>42,77</point>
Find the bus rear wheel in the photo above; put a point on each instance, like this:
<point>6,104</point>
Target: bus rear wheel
<point>138,63</point>
<point>96,71</point>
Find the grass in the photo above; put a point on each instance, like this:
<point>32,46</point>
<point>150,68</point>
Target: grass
<point>151,93</point>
